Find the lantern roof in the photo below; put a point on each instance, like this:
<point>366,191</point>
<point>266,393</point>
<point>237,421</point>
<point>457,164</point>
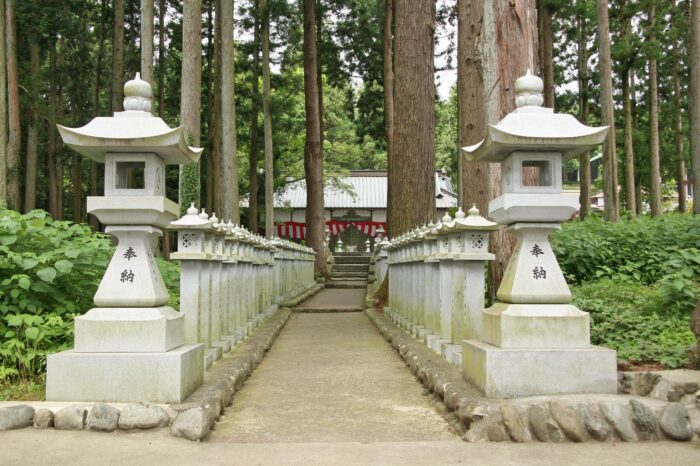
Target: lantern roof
<point>534,128</point>
<point>135,130</point>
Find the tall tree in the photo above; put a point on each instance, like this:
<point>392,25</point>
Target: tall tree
<point>584,103</point>
<point>32,129</point>
<point>267,121</point>
<point>118,57</point>
<point>694,100</point>
<point>162,7</point>
<point>313,157</point>
<point>14,130</point>
<point>3,110</point>
<point>191,97</point>
<point>412,179</point>
<point>545,34</point>
<point>681,178</point>
<point>94,169</point>
<point>630,192</point>
<point>610,191</point>
<point>147,40</point>
<point>504,62</point>
<point>388,81</point>
<point>654,163</point>
<point>229,195</point>
<point>253,149</point>
<point>474,176</point>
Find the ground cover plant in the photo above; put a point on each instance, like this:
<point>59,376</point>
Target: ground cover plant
<point>49,273</point>
<point>640,280</point>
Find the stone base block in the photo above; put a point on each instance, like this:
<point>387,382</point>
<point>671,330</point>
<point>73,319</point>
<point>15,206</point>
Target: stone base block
<point>224,345</point>
<point>416,329</point>
<point>536,326</point>
<point>457,359</point>
<point>129,330</point>
<point>436,343</point>
<point>508,373</point>
<point>423,333</point>
<point>125,377</point>
<point>448,350</point>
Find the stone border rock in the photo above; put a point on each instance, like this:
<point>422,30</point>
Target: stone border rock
<point>303,296</point>
<point>560,418</point>
<point>662,385</point>
<point>192,419</point>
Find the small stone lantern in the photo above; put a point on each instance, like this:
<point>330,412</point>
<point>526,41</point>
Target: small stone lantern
<point>534,342</point>
<point>132,346</point>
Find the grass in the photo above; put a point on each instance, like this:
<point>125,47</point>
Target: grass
<point>23,390</point>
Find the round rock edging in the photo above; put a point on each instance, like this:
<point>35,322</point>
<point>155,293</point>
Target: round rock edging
<point>565,418</point>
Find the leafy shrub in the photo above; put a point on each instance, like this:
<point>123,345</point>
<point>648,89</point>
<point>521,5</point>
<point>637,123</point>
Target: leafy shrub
<point>647,251</point>
<point>171,277</point>
<point>49,272</point>
<point>624,317</point>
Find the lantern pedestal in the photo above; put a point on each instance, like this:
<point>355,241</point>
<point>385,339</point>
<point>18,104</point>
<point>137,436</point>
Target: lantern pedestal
<point>159,377</point>
<point>516,372</point>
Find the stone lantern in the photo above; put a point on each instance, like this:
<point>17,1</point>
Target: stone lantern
<point>534,342</point>
<point>132,346</point>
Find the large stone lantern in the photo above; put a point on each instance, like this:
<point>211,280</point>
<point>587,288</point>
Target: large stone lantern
<point>534,342</point>
<point>132,346</point>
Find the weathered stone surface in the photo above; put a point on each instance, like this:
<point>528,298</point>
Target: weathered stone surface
<point>542,425</point>
<point>139,416</point>
<point>103,418</point>
<point>16,417</point>
<point>568,419</point>
<point>70,418</point>
<point>645,420</point>
<point>193,424</point>
<point>515,425</point>
<point>644,383</point>
<point>594,422</point>
<point>618,417</point>
<point>675,422</point>
<point>43,419</point>
<point>661,390</point>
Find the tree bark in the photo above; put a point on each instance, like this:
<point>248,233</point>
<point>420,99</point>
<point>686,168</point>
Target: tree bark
<point>313,157</point>
<point>3,110</point>
<point>508,47</point>
<point>681,179</point>
<point>694,101</point>
<point>654,166</point>
<point>94,168</point>
<point>162,7</point>
<point>610,191</point>
<point>630,192</point>
<point>267,122</point>
<point>191,98</point>
<point>228,116</point>
<point>584,106</point>
<point>253,155</point>
<point>388,67</point>
<point>147,40</point>
<point>32,129</point>
<point>54,201</point>
<point>635,124</point>
<point>544,16</point>
<point>14,130</point>
<point>220,181</point>
<point>118,58</point>
<point>412,180</point>
<point>319,69</point>
<point>474,177</point>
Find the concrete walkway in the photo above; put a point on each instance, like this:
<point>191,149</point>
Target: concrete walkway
<point>331,378</point>
<point>334,300</point>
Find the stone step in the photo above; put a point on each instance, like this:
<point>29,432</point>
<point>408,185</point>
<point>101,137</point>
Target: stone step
<point>344,276</point>
<point>351,260</point>
<point>351,266</point>
<point>338,284</point>
<point>321,310</point>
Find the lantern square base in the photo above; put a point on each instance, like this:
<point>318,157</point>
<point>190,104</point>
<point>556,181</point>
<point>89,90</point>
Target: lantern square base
<point>129,330</point>
<point>125,377</point>
<point>518,372</point>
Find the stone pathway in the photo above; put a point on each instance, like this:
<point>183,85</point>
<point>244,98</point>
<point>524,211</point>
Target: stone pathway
<point>331,377</point>
<point>334,300</point>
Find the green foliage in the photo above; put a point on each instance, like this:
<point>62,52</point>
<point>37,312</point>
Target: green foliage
<point>170,271</point>
<point>625,317</point>
<point>663,251</point>
<point>49,272</point>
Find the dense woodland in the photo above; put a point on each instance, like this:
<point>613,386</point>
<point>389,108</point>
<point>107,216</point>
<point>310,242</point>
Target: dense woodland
<point>288,89</point>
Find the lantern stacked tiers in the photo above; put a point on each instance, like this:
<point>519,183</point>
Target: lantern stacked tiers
<point>231,279</point>
<point>132,346</point>
<point>533,341</point>
<point>436,280</point>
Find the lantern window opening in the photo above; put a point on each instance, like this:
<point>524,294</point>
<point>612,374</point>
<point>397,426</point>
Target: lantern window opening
<point>130,175</point>
<point>536,173</point>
